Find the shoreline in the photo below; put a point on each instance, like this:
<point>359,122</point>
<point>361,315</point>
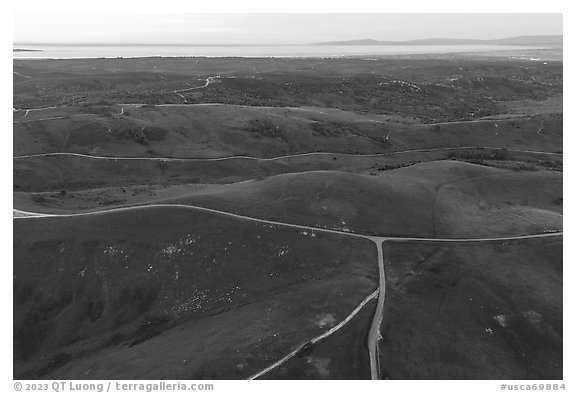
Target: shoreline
<point>366,57</point>
<point>371,53</point>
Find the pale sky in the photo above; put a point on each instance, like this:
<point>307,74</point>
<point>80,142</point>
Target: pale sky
<point>272,28</point>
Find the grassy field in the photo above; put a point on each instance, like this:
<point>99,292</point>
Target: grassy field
<point>226,130</point>
<point>90,286</point>
<point>432,89</point>
<point>432,199</point>
<point>341,356</point>
<point>490,311</point>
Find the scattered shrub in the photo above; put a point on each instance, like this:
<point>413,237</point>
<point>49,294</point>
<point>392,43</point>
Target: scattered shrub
<point>265,128</point>
<point>482,154</point>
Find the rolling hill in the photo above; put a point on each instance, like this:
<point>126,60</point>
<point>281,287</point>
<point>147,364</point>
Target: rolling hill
<point>92,296</point>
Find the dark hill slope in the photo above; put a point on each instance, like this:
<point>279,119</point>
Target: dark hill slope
<point>115,286</point>
<point>474,311</point>
<point>438,198</point>
<point>443,199</point>
<point>225,130</point>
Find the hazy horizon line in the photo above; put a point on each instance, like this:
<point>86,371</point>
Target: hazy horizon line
<point>479,41</point>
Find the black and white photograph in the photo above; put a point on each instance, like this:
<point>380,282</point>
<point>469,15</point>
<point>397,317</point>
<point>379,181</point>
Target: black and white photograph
<point>286,196</point>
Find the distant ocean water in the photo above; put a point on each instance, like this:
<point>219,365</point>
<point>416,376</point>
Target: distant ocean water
<point>70,52</point>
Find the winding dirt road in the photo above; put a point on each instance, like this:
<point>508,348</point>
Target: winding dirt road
<point>241,157</point>
<point>319,338</point>
<point>208,80</point>
<point>374,333</point>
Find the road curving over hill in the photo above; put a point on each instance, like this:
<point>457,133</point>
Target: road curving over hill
<point>21,214</point>
<point>243,157</point>
<point>374,334</point>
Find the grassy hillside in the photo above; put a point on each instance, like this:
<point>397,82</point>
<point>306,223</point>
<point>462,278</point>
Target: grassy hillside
<point>341,356</point>
<point>225,130</point>
<point>443,199</point>
<point>474,311</point>
<point>432,89</point>
<point>433,199</point>
<point>122,283</point>
<point>197,131</point>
